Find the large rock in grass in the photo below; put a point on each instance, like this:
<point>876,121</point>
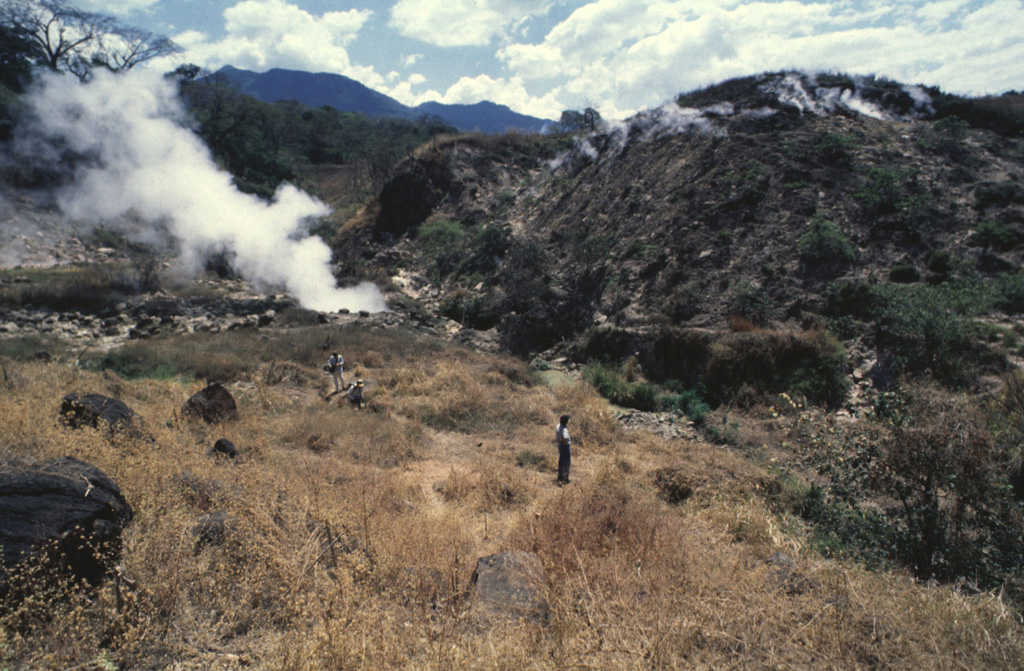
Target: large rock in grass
<point>64,512</point>
<point>509,585</point>
<point>212,404</point>
<point>79,410</point>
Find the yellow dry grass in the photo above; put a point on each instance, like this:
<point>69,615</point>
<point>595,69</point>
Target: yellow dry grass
<point>359,556</point>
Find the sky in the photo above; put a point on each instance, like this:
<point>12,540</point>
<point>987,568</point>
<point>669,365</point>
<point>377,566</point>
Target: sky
<point>541,57</point>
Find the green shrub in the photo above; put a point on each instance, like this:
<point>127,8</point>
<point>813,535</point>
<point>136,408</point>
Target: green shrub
<point>998,236</point>
<point>883,191</point>
<point>753,303</point>
<point>444,241</point>
<point>929,329</point>
<point>1010,292</point>
<point>612,383</point>
<point>687,402</point>
<point>842,528</point>
<point>904,273</point>
<point>824,246</point>
<point>999,194</point>
<point>835,148</point>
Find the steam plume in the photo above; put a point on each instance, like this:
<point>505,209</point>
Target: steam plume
<point>144,164</point>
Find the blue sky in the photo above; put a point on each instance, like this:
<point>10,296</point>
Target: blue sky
<point>540,57</point>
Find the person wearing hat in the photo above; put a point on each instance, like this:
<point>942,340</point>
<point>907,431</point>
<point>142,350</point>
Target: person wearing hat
<point>335,366</point>
<point>355,394</point>
<point>564,451</point>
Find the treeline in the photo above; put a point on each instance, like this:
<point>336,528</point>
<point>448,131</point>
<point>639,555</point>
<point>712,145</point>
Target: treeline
<point>263,144</point>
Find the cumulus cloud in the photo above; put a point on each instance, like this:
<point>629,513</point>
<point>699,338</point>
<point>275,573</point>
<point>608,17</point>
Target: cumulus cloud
<point>469,90</point>
<point>457,23</point>
<point>263,34</point>
<point>632,54</point>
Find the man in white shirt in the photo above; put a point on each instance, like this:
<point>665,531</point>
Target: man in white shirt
<point>335,367</point>
<point>564,451</point>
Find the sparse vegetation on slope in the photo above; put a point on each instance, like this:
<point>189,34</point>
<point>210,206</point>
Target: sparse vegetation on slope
<point>360,554</point>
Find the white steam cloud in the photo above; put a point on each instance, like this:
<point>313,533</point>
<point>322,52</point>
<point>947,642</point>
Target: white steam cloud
<point>797,90</point>
<point>146,165</point>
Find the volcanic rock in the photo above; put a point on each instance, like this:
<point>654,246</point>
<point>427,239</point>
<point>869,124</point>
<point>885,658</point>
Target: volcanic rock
<point>65,511</point>
<point>212,404</point>
<point>98,411</point>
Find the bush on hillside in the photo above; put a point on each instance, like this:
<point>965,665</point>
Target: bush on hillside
<point>753,303</point>
<point>760,364</point>
<point>442,240</point>
<point>929,329</point>
<point>824,248</point>
<point>883,191</point>
<point>835,148</point>
<point>997,236</point>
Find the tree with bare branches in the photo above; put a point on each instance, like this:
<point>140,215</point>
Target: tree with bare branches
<point>66,38</point>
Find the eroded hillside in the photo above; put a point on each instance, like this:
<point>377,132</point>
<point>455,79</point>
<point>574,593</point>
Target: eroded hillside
<point>686,216</point>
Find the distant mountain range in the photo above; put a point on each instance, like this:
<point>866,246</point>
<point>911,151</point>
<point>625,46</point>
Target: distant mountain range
<point>348,95</point>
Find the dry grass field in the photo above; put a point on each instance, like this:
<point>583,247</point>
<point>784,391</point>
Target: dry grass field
<point>352,535</point>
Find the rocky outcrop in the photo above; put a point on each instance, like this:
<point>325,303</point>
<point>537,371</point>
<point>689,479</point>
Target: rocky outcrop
<point>65,512</point>
<point>508,585</point>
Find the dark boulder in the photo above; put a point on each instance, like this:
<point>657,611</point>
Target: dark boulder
<point>509,585</point>
<point>79,410</point>
<point>223,448</point>
<point>64,512</point>
<point>213,403</point>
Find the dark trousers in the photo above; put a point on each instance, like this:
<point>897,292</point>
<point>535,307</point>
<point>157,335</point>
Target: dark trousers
<point>564,457</point>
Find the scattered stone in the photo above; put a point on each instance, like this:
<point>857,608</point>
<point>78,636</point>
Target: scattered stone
<point>785,575</point>
<point>319,443</point>
<point>64,511</point>
<point>223,447</point>
<point>509,585</point>
<point>212,404</point>
<point>212,529</point>
<point>102,412</point>
<point>195,491</point>
<point>673,485</point>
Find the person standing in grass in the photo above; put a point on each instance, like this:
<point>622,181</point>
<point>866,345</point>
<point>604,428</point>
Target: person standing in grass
<point>335,366</point>
<point>564,451</point>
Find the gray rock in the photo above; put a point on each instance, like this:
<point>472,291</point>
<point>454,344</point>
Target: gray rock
<point>509,585</point>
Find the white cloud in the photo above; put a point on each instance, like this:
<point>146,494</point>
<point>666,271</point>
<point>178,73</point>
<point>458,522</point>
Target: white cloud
<point>458,23</point>
<point>412,59</point>
<point>115,6</point>
<point>263,34</point>
<point>632,54</point>
<point>468,90</point>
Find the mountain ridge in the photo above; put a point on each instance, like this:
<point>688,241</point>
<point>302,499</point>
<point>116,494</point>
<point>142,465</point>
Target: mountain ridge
<point>348,95</point>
